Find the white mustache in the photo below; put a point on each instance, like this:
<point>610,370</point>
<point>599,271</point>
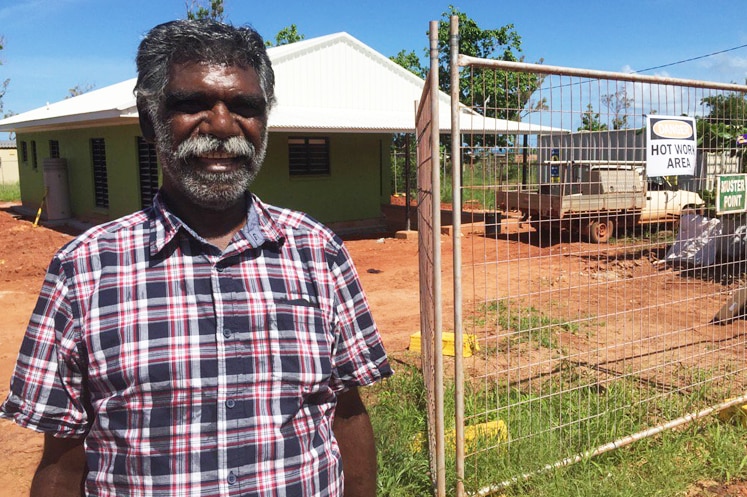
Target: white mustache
<point>210,146</point>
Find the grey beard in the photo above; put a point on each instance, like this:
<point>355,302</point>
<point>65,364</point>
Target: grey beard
<point>214,191</point>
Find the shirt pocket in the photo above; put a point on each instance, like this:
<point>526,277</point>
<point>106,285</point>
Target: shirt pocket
<point>301,346</point>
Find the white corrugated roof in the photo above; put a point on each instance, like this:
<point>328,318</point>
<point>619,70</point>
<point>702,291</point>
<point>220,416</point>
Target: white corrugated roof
<point>109,105</point>
<point>332,82</point>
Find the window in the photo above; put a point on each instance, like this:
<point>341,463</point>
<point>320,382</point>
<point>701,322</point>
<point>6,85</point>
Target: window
<point>54,149</point>
<point>100,182</point>
<point>308,155</point>
<point>148,166</point>
<point>24,152</point>
<point>34,163</point>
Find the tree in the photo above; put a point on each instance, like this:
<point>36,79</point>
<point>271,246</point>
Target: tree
<point>79,90</point>
<point>535,106</point>
<point>590,121</point>
<point>411,62</point>
<point>617,105</point>
<point>197,9</point>
<point>495,93</point>
<point>727,107</point>
<point>4,84</point>
<point>3,89</point>
<point>286,36</point>
<point>726,121</point>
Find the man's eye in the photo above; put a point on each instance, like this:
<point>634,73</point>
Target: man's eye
<point>245,110</point>
<point>187,106</point>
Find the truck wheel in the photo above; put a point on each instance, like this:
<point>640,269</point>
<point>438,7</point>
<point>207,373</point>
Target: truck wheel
<point>601,230</point>
<point>538,224</point>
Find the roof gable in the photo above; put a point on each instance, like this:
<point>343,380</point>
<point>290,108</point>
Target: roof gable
<point>339,71</point>
<point>344,85</point>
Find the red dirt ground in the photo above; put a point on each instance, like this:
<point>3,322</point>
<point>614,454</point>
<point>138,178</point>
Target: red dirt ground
<point>388,269</point>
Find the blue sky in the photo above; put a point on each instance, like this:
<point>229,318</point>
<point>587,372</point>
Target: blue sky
<point>54,45</point>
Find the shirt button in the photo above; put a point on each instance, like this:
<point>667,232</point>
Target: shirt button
<point>227,332</point>
<point>230,403</point>
<point>231,478</point>
<point>220,269</point>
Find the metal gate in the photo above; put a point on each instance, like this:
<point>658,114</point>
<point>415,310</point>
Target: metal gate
<point>568,345</point>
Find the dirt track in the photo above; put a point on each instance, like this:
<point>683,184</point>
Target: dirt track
<point>388,269</point>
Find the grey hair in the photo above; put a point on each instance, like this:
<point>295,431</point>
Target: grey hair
<point>198,41</point>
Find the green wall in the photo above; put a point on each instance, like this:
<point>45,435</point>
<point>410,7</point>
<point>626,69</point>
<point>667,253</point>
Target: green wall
<point>75,147</point>
<point>354,190</point>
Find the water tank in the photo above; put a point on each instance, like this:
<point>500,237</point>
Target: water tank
<point>57,202</point>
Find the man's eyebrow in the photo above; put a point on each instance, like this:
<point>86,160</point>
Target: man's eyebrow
<point>180,95</point>
<point>252,100</point>
<point>255,101</point>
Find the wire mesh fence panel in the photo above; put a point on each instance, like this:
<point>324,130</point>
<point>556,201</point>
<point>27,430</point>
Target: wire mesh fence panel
<point>601,301</point>
<point>426,161</point>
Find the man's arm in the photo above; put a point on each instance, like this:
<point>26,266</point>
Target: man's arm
<point>354,435</point>
<point>62,469</point>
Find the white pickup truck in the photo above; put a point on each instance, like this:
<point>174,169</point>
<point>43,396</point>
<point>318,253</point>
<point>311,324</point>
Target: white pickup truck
<point>593,198</point>
<point>665,202</point>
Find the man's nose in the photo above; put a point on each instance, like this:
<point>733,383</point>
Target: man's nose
<point>220,122</point>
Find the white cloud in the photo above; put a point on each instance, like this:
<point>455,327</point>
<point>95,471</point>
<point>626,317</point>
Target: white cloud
<point>727,67</point>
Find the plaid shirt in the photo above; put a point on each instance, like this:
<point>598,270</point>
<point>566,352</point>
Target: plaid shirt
<point>191,371</point>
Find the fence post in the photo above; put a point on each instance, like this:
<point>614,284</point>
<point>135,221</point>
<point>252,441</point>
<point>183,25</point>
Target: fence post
<point>456,202</point>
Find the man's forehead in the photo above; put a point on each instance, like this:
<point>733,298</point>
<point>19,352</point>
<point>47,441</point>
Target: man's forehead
<point>210,74</point>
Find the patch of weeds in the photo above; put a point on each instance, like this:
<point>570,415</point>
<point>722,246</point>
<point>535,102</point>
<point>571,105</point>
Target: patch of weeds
<point>525,324</point>
<point>568,413</point>
<point>10,192</point>
<point>397,407</point>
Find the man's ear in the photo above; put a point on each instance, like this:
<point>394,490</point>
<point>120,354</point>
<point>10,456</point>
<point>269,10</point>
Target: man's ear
<point>146,123</point>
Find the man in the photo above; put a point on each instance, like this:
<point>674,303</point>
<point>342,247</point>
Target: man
<point>212,344</point>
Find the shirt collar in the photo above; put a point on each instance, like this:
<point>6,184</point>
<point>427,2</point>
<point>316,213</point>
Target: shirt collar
<point>259,229</point>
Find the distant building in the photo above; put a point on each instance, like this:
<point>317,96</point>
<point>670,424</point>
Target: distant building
<point>8,162</point>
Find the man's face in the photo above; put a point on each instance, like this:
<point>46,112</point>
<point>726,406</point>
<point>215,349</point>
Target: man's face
<point>211,135</point>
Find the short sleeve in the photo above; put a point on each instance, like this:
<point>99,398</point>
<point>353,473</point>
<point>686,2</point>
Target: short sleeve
<point>359,355</point>
<point>46,387</point>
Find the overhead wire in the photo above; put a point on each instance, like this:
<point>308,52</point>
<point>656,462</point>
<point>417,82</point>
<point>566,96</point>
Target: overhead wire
<point>689,60</point>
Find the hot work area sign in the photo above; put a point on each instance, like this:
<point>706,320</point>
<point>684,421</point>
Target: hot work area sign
<point>671,145</point>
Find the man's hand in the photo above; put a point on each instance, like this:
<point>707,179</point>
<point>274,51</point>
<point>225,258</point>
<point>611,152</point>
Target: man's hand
<point>62,469</point>
<point>354,435</point>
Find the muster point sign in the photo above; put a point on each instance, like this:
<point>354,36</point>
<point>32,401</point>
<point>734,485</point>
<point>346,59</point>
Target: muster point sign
<point>731,193</point>
<point>671,145</point>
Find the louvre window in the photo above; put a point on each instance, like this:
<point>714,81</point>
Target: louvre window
<point>34,162</point>
<point>308,156</point>
<point>24,152</point>
<point>54,149</point>
<point>148,166</point>
<point>100,180</point>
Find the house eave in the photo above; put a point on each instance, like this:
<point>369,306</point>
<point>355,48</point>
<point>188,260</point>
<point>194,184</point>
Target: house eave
<point>97,119</point>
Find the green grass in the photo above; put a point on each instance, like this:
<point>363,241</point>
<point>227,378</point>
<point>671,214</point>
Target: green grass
<point>479,182</point>
<point>398,416</point>
<point>10,193</point>
<point>664,465</point>
<point>479,179</point>
<point>655,234</point>
<point>527,324</point>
